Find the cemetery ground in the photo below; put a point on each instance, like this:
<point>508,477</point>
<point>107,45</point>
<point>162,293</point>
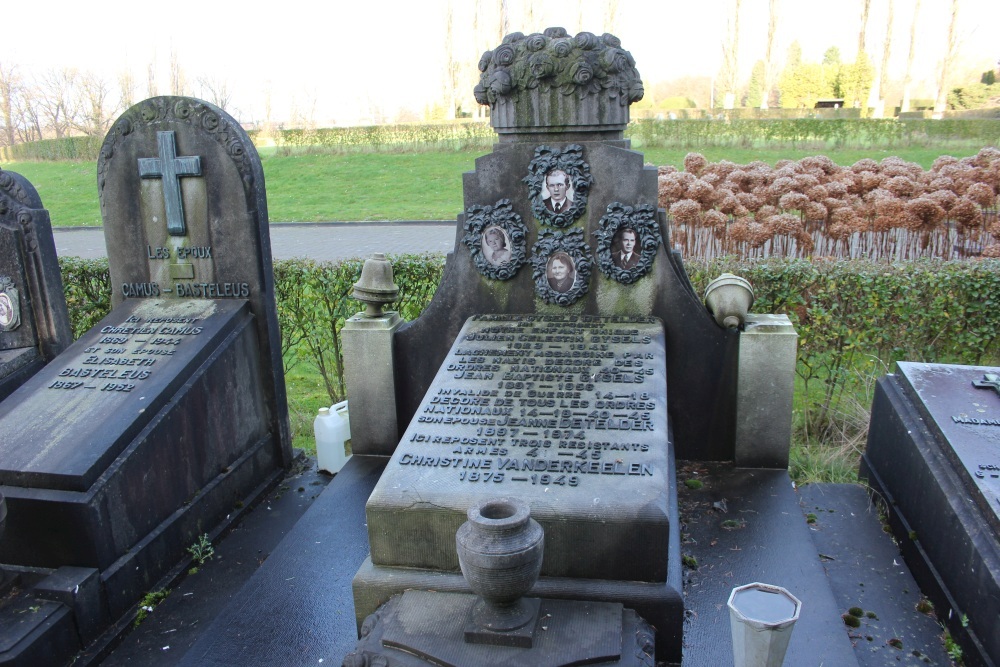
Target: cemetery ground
<point>399,186</point>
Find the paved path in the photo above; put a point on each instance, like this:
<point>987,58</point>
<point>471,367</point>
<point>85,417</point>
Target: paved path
<point>319,241</point>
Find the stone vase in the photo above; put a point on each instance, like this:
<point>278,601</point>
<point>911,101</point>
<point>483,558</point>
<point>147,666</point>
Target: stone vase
<point>500,552</point>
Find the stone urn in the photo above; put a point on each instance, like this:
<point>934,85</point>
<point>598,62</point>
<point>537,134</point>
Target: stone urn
<point>500,552</point>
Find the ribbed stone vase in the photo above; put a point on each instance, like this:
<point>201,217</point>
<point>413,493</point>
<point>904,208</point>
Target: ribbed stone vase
<point>500,552</point>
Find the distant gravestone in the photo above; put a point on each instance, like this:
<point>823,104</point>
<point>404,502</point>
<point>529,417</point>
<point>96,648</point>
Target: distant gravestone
<point>934,455</point>
<point>34,322</point>
<point>170,414</point>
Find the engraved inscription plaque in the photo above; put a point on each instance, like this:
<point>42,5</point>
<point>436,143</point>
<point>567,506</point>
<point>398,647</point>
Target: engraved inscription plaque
<point>568,413</point>
<point>968,419</point>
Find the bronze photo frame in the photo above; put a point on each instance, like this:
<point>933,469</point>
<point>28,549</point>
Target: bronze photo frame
<point>561,266</point>
<point>568,176</point>
<point>627,241</point>
<point>496,238</point>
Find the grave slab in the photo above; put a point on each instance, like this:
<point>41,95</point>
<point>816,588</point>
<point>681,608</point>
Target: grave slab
<point>933,454</point>
<point>566,412</point>
<point>34,322</point>
<point>168,418</point>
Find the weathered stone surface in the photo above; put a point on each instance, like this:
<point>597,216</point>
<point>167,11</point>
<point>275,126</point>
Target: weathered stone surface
<point>34,322</point>
<point>99,449</point>
<point>566,412</point>
<point>420,628</point>
<point>934,454</point>
<point>169,416</point>
<point>701,355</point>
<point>766,386</point>
<point>185,216</point>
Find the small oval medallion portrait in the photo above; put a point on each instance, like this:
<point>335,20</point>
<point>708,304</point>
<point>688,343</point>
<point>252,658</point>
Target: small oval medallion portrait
<point>561,266</point>
<point>496,238</point>
<point>10,313</point>
<point>558,181</point>
<point>628,239</point>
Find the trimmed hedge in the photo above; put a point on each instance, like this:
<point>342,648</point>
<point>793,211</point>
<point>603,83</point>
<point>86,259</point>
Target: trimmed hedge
<point>837,133</point>
<point>854,318</point>
<point>730,129</point>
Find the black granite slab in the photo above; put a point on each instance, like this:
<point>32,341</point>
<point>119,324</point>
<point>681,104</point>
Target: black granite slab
<point>744,526</point>
<point>297,609</point>
<point>931,455</point>
<point>866,571</point>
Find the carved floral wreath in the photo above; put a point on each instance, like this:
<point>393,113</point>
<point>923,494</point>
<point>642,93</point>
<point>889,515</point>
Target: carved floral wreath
<point>479,223</point>
<point>641,220</point>
<point>570,161</point>
<point>563,247</point>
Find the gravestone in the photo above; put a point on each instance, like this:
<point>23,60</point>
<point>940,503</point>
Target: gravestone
<point>933,454</point>
<point>34,322</point>
<point>169,416</point>
<point>543,364</point>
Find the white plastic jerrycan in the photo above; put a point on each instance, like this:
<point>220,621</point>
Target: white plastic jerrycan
<point>333,431</point>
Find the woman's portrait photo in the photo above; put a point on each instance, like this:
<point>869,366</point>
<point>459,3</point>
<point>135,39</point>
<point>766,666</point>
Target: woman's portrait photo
<point>496,246</point>
<point>561,272</point>
<point>6,311</point>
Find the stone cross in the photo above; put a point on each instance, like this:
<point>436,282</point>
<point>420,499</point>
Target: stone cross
<point>989,381</point>
<point>170,168</point>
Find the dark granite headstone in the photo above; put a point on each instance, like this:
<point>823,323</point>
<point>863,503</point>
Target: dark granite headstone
<point>34,322</point>
<point>934,455</point>
<point>168,416</point>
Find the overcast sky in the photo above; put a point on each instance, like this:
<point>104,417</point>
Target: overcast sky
<point>340,60</point>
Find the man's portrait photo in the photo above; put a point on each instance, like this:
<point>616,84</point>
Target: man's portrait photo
<point>560,191</point>
<point>496,246</point>
<point>623,249</point>
<point>560,272</point>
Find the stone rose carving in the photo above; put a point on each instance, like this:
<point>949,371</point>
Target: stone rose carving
<point>584,64</point>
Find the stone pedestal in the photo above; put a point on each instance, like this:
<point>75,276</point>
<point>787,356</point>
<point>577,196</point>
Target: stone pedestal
<point>425,628</point>
<point>765,384</point>
<point>371,383</point>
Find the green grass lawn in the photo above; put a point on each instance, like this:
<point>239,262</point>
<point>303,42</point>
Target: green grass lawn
<point>381,186</point>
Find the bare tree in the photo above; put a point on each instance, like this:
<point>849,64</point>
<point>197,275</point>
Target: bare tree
<point>770,54</point>
<point>730,56</point>
<point>951,50</point>
<point>26,109</point>
<point>178,82</point>
<point>866,6</point>
<point>127,87</point>
<point>883,70</point>
<point>151,89</point>
<point>216,90</point>
<point>451,64</point>
<point>883,77</point>
<point>10,84</point>
<point>56,98</point>
<point>95,108</point>
<point>610,16</point>
<point>908,79</point>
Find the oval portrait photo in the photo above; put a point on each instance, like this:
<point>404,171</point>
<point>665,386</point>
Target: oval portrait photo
<point>561,272</point>
<point>496,246</point>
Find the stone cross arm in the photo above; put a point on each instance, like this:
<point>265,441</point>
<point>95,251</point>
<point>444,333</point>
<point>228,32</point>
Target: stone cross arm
<point>171,168</point>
